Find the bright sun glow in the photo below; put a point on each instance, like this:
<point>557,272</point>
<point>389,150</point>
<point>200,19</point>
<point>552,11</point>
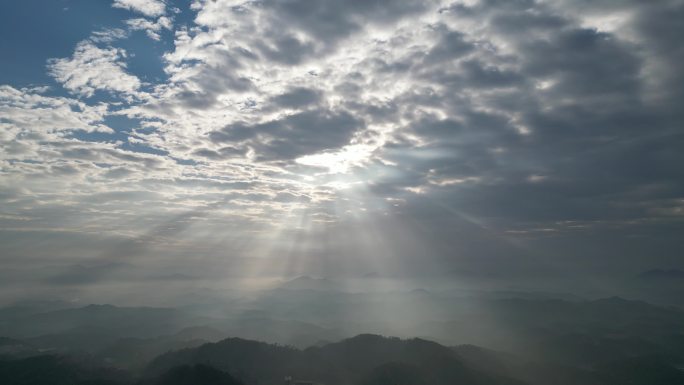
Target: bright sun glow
<point>339,162</point>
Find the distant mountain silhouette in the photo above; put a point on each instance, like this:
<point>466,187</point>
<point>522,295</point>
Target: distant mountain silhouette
<point>308,283</point>
<point>546,341</point>
<point>366,359</point>
<point>113,319</point>
<point>661,286</point>
<point>27,308</point>
<point>206,333</point>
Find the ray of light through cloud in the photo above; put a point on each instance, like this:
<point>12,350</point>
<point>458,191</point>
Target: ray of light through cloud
<point>412,139</point>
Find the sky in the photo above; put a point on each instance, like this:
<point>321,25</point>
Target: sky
<point>154,141</point>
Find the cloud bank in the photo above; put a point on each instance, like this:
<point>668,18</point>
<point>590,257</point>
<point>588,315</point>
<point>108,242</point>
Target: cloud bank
<point>420,137</point>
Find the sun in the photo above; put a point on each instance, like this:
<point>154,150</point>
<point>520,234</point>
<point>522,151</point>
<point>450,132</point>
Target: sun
<point>339,162</point>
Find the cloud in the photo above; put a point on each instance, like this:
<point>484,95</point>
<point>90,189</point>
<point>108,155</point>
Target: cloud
<point>92,68</point>
<point>108,35</point>
<point>293,135</point>
<point>28,113</point>
<point>150,8</point>
<point>482,127</point>
<point>297,97</point>
<point>152,28</point>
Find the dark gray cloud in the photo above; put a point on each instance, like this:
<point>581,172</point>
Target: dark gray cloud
<point>333,20</point>
<point>294,135</point>
<point>298,97</point>
<point>595,155</point>
<point>286,50</point>
<point>451,45</point>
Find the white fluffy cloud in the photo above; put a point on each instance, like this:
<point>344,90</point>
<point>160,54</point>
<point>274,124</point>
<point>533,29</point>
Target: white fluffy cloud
<point>28,111</point>
<point>92,68</point>
<point>151,8</point>
<point>152,28</point>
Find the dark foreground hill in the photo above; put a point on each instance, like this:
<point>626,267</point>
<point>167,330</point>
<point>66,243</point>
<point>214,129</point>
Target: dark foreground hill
<point>362,360</point>
<point>609,341</point>
<point>193,374</point>
<point>365,359</point>
<point>59,370</point>
<point>375,360</point>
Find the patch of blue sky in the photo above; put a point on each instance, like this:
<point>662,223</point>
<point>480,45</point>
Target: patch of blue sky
<point>145,56</point>
<point>32,31</point>
<point>185,16</point>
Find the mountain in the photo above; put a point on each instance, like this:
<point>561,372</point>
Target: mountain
<point>362,360</point>
<point>661,286</point>
<point>368,359</point>
<point>194,374</point>
<point>10,347</point>
<point>95,327</point>
<point>308,283</point>
<point>608,328</point>
<point>646,370</point>
<point>135,353</point>
<point>103,319</point>
<point>582,342</point>
<point>641,369</point>
<point>20,309</point>
<point>58,370</point>
<point>205,333</point>
<point>290,332</point>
